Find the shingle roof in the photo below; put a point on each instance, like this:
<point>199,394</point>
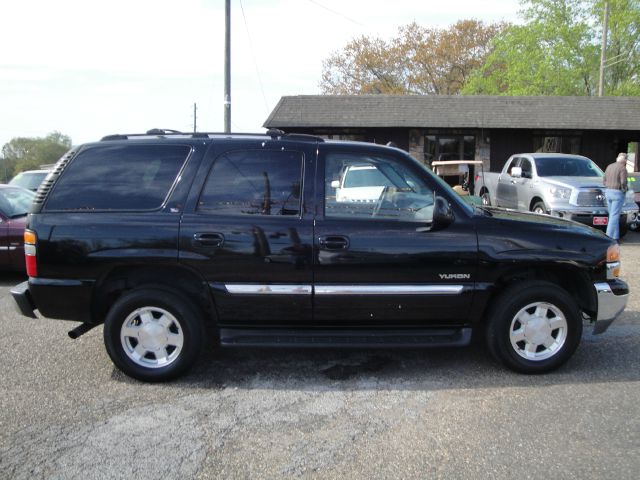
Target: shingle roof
<point>444,111</point>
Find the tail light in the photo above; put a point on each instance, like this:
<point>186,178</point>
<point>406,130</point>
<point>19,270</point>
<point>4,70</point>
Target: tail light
<point>30,252</point>
<point>613,262</point>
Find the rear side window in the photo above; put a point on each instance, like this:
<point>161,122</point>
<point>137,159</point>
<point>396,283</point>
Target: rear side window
<point>254,182</point>
<point>118,177</point>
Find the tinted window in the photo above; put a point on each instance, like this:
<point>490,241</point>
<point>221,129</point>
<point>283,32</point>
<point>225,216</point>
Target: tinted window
<point>525,164</point>
<point>129,177</point>
<point>567,167</point>
<point>254,182</point>
<point>365,186</point>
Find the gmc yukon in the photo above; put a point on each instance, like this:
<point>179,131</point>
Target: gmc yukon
<point>171,240</point>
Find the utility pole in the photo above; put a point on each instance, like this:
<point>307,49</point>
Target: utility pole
<point>603,51</point>
<point>227,67</point>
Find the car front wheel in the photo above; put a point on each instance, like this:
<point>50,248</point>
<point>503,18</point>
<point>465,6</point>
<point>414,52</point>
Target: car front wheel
<point>534,327</point>
<point>539,208</point>
<point>152,334</point>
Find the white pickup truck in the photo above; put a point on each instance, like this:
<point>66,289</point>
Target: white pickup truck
<point>568,186</point>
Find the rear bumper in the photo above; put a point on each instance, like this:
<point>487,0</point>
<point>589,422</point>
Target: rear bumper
<point>59,299</point>
<point>612,299</point>
<point>23,301</point>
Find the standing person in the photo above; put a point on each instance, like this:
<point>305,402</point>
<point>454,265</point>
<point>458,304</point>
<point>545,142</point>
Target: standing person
<point>615,183</point>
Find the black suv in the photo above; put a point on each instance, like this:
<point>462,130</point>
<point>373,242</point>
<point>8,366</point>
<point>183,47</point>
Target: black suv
<point>294,241</point>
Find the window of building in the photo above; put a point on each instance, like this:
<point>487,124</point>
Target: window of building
<point>449,147</point>
<point>254,182</point>
<point>363,186</point>
<point>556,144</point>
<point>118,177</point>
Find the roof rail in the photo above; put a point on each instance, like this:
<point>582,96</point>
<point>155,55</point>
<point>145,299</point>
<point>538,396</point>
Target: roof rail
<point>275,134</point>
<point>163,131</point>
<point>303,137</point>
<point>114,137</point>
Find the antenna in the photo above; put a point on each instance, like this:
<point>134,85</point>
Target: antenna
<point>227,67</point>
<point>195,125</point>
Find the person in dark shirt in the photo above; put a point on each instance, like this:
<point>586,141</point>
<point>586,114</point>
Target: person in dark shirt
<point>615,183</point>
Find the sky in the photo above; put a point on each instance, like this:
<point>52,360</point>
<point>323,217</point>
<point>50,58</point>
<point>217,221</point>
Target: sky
<point>89,68</point>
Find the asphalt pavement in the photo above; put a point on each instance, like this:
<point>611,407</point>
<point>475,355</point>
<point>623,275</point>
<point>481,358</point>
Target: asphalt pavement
<point>67,413</point>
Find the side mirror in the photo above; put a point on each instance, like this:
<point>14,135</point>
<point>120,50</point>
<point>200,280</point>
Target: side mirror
<point>442,214</point>
<point>516,172</point>
<point>335,184</point>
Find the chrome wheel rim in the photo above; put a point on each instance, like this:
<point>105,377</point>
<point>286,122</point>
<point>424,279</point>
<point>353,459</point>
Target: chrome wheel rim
<point>485,199</point>
<point>539,210</point>
<point>152,337</point>
<point>538,331</point>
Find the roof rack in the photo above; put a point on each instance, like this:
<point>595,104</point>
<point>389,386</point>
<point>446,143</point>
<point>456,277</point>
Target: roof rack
<point>275,134</point>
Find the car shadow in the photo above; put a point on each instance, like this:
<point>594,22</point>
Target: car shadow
<point>9,279</point>
<point>611,357</point>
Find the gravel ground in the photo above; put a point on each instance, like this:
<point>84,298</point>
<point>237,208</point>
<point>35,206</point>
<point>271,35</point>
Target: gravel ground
<point>66,413</point>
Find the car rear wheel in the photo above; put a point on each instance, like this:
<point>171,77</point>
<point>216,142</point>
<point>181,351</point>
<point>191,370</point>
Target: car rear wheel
<point>534,327</point>
<point>486,199</point>
<point>152,334</point>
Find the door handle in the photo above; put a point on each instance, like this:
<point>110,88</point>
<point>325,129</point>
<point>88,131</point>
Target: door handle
<point>334,242</point>
<point>208,239</point>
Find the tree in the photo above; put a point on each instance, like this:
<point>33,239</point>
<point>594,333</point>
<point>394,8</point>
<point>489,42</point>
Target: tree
<point>557,51</point>
<point>28,153</point>
<point>417,61</point>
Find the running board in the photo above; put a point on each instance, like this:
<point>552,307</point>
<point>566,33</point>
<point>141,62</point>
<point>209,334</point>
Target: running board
<point>304,338</point>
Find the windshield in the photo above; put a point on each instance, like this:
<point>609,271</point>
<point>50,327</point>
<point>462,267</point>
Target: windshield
<point>567,167</point>
<point>30,180</point>
<point>15,202</point>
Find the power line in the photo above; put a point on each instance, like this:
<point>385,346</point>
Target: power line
<point>337,13</point>
<point>253,56</point>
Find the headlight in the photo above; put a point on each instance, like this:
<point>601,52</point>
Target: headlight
<point>560,192</point>
<point>613,262</point>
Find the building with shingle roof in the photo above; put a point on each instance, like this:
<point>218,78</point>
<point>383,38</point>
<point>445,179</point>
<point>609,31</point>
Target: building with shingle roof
<point>489,128</point>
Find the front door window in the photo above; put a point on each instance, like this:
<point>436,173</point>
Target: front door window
<point>371,187</point>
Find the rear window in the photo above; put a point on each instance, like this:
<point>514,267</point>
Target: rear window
<point>118,177</point>
<point>254,182</point>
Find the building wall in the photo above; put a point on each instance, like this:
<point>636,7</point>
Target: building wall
<point>493,147</point>
<point>505,143</point>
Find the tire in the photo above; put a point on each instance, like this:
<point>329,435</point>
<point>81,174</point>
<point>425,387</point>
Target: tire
<point>153,334</point>
<point>539,208</point>
<point>551,335</point>
<point>486,199</point>
<point>633,226</point>
<point>624,227</point>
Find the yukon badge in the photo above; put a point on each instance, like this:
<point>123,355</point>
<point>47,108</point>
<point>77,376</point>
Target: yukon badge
<point>455,276</point>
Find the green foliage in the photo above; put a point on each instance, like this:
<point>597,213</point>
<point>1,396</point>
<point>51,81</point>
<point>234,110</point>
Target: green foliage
<point>28,153</point>
<point>557,51</point>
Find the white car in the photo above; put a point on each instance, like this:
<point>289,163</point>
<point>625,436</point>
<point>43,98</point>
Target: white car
<point>360,184</point>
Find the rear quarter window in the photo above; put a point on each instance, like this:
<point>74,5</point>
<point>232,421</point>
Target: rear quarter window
<point>118,177</point>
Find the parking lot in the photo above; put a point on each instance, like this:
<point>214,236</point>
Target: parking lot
<point>67,413</point>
